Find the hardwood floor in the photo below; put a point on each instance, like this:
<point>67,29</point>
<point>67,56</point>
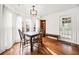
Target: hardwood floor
<point>60,48</point>
<point>15,50</point>
<point>51,46</point>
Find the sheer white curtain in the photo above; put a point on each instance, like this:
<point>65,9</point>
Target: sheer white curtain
<point>10,22</point>
<point>18,26</point>
<point>1,29</point>
<point>7,28</point>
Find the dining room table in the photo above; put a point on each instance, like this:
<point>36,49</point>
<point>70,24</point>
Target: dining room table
<point>31,35</point>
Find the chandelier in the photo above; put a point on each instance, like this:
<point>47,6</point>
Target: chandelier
<point>33,12</point>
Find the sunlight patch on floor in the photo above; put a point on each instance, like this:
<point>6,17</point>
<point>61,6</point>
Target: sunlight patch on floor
<point>51,51</point>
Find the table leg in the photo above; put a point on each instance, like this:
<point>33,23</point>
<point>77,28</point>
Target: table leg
<point>31,45</point>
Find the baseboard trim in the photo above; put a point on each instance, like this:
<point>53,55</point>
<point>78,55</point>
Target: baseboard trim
<point>53,35</point>
<point>65,42</point>
<point>69,43</point>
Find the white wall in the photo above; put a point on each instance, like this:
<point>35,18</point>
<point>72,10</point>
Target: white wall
<point>77,28</point>
<point>52,26</point>
<point>37,25</point>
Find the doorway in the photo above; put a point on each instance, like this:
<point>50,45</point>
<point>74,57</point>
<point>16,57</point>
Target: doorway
<point>43,27</point>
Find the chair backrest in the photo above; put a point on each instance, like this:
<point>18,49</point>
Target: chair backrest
<point>21,34</point>
<point>40,37</point>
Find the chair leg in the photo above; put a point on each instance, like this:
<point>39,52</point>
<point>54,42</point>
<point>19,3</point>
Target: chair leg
<point>39,47</point>
<point>20,49</point>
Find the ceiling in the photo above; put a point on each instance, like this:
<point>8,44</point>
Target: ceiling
<point>43,9</point>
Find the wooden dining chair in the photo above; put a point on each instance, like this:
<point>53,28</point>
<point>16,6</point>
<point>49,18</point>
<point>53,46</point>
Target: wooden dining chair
<point>37,42</point>
<point>23,42</point>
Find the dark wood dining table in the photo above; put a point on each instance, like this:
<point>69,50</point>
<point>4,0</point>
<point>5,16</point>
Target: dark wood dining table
<point>31,35</point>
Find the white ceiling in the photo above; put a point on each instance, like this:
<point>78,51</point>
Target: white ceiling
<point>43,9</point>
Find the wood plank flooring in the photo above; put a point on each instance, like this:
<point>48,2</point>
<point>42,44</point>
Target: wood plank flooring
<point>60,48</point>
<point>15,50</point>
<point>51,46</point>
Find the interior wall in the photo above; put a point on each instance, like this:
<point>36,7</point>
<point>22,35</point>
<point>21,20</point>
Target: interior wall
<point>52,24</point>
<point>52,21</point>
<point>77,28</point>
